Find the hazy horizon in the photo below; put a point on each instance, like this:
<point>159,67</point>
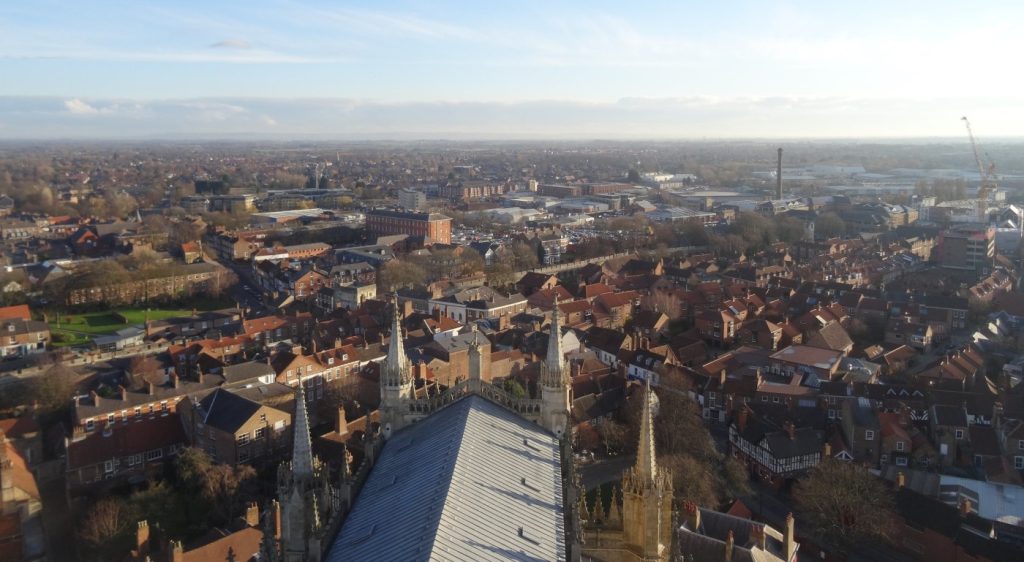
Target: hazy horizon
<point>574,70</point>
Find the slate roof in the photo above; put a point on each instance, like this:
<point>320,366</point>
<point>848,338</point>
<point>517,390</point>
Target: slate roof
<point>226,411</point>
<point>459,485</point>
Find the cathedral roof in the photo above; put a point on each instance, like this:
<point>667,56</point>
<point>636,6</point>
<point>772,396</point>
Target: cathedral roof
<point>473,481</point>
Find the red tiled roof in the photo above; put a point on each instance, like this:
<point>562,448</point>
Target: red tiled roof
<point>125,439</point>
<point>17,311</point>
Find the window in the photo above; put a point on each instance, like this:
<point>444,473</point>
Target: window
<point>243,455</point>
<point>260,432</point>
<point>901,461</point>
<point>1018,463</point>
<point>764,398</point>
<point>90,425</point>
<point>163,408</point>
<point>108,466</point>
<point>885,459</point>
<point>330,360</point>
<point>154,454</point>
<point>775,399</point>
<point>138,413</point>
<point>243,439</point>
<point>899,446</point>
<point>110,418</point>
<point>959,434</point>
<point>831,414</point>
<point>1020,444</point>
<point>869,435</point>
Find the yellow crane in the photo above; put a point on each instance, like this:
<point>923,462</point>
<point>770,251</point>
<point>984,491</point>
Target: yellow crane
<point>986,184</point>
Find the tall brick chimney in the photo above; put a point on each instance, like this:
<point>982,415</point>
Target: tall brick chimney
<point>142,538</point>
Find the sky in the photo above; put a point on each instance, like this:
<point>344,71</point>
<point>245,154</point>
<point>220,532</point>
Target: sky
<point>524,69</point>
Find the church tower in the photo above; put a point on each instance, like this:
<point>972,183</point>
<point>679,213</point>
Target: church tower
<point>647,496</point>
<point>397,387</point>
<point>555,382</point>
<point>306,505</point>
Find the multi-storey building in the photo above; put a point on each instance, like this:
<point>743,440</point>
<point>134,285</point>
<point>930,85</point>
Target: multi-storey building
<point>967,247</point>
<point>412,199</point>
<point>435,226</point>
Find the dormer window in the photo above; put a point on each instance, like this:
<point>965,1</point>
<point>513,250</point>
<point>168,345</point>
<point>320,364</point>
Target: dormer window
<point>330,360</point>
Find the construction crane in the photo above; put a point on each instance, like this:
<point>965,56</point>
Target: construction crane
<point>985,175</point>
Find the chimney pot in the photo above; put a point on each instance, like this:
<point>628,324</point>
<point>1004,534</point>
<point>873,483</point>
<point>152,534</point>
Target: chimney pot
<point>252,514</point>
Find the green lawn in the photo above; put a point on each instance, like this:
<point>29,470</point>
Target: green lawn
<point>105,322</point>
<point>78,329</point>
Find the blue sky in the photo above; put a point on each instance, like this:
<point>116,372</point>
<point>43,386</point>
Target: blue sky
<point>522,69</point>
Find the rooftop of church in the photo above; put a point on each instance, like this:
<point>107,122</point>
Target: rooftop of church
<point>474,481</point>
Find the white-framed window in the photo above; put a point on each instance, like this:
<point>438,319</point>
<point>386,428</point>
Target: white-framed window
<point>108,466</point>
<point>1020,444</point>
<point>1018,463</point>
<point>899,446</point>
<point>243,455</point>
<point>90,425</point>
<point>243,439</point>
<point>260,432</point>
<point>869,435</point>
<point>110,418</point>
<point>901,461</point>
<point>775,399</point>
<point>831,414</point>
<point>154,454</point>
<point>885,458</point>
<point>764,398</point>
<point>959,434</point>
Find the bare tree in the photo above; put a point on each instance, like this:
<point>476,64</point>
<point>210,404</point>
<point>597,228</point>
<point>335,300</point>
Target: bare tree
<point>105,520</point>
<point>845,503</point>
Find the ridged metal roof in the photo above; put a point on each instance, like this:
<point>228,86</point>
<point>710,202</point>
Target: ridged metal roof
<point>472,482</point>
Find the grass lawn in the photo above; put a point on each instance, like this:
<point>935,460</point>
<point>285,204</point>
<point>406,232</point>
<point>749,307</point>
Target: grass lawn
<point>78,329</point>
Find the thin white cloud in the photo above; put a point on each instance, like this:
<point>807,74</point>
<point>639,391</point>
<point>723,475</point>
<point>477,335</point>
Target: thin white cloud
<point>231,44</point>
<point>79,107</point>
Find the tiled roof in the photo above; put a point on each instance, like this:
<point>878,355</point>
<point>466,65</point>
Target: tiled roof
<point>125,439</point>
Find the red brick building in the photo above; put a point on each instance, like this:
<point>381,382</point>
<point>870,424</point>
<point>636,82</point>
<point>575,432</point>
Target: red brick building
<point>437,227</point>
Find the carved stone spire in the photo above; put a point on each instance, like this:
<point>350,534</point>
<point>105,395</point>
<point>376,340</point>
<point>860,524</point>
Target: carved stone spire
<point>646,463</point>
<point>397,370</point>
<point>302,447</point>
<point>554,372</point>
<point>397,387</point>
<point>555,383</point>
<point>647,494</point>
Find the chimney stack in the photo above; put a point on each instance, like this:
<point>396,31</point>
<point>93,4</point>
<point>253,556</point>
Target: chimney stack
<point>252,515</point>
<point>965,507</point>
<point>790,430</point>
<point>341,425</point>
<point>901,480</point>
<point>759,536</point>
<point>142,538</point>
<point>174,379</point>
<point>176,552</point>
<point>789,542</point>
<point>692,514</point>
<point>150,388</point>
<point>741,418</point>
<point>778,177</point>
<point>729,542</point>
<point>826,451</point>
<point>124,392</point>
